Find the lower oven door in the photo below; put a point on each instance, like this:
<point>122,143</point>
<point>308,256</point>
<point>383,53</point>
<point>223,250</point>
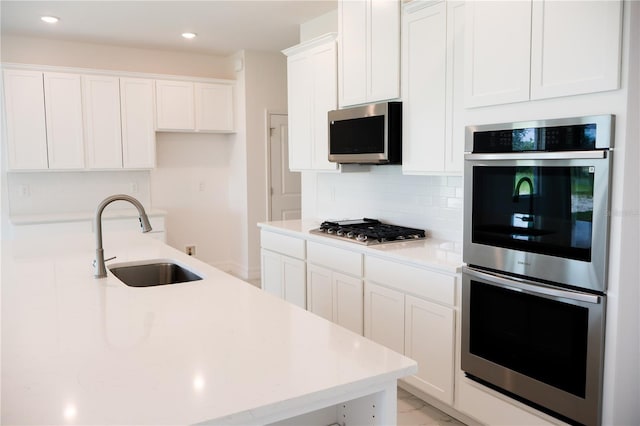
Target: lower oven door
<point>538,343</point>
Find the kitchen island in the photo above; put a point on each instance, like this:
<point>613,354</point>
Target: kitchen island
<point>80,350</point>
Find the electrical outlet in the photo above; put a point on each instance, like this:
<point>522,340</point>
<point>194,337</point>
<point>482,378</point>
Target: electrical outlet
<point>190,250</point>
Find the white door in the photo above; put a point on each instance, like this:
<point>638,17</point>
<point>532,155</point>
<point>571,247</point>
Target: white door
<point>285,185</point>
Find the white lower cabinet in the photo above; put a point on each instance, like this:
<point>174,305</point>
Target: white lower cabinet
<point>404,311</point>
<point>384,316</point>
<point>334,285</point>
<point>283,276</point>
<point>283,267</point>
<point>336,297</point>
<point>429,338</point>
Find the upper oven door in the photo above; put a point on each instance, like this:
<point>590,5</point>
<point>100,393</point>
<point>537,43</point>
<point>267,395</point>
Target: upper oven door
<point>539,214</point>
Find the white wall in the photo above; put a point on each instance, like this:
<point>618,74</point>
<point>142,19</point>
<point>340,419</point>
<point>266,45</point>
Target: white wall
<point>266,85</point>
<point>30,50</point>
<point>191,182</point>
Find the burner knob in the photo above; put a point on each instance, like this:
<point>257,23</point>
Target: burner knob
<point>361,237</point>
<point>331,230</point>
<point>351,234</point>
<point>340,232</point>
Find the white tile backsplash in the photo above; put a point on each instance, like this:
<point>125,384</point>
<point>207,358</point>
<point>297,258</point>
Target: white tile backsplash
<point>36,193</point>
<point>433,203</point>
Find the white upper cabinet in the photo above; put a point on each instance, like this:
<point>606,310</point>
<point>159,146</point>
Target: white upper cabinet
<point>138,128</point>
<point>189,106</point>
<point>579,55</point>
<point>101,97</point>
<point>497,59</point>
<point>63,106</point>
<point>26,126</point>
<point>368,51</point>
<point>432,87</point>
<point>522,50</point>
<point>312,93</point>
<point>214,107</point>
<point>119,127</point>
<point>175,105</point>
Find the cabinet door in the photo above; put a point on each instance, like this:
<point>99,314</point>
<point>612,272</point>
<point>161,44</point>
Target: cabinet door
<point>429,339</point>
<point>348,302</point>
<point>271,273</point>
<point>423,92</point>
<point>384,50</point>
<point>214,107</point>
<point>138,130</point>
<point>101,96</point>
<point>575,47</point>
<point>294,281</point>
<point>320,291</point>
<point>174,105</point>
<point>299,86</point>
<point>325,98</point>
<point>352,75</point>
<point>26,128</point>
<point>63,106</point>
<point>384,316</point>
<point>497,52</point>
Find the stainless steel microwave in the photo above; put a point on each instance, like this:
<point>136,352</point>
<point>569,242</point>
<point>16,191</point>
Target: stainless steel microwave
<point>368,134</point>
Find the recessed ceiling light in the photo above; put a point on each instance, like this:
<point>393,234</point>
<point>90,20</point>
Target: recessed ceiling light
<point>189,35</point>
<point>49,19</point>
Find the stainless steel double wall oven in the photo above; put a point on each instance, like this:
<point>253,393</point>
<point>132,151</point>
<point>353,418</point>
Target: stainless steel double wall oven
<point>535,244</point>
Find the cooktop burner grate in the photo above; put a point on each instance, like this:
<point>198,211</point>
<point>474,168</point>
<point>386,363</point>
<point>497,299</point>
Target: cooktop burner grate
<point>368,231</point>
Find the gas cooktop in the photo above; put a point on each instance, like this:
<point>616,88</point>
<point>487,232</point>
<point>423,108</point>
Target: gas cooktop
<point>368,231</point>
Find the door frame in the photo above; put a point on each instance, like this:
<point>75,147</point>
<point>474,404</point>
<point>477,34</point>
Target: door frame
<point>268,114</point>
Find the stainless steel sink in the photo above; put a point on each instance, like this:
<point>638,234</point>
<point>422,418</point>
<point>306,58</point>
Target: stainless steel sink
<point>153,273</point>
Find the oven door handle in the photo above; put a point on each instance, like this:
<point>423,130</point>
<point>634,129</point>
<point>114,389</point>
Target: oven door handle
<point>558,155</point>
<point>530,287</point>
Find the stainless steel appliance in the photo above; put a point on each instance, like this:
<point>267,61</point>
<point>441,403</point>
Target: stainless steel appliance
<point>367,134</point>
<point>368,231</point>
<point>541,344</point>
<point>535,244</point>
<point>537,199</point>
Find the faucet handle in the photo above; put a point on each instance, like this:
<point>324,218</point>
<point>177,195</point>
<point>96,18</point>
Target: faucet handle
<point>95,261</point>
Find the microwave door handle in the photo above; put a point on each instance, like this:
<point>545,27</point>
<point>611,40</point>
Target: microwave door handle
<point>560,155</point>
<point>529,287</point>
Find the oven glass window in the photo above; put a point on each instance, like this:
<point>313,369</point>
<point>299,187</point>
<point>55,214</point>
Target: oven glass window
<point>547,210</point>
<point>535,336</point>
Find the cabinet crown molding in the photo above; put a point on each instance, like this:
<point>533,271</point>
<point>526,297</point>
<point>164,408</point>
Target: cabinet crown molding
<point>111,73</point>
<point>305,45</point>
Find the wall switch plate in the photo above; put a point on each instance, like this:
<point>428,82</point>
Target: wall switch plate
<point>190,250</point>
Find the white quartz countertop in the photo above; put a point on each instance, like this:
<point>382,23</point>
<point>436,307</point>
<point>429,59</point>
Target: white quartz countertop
<point>80,350</point>
<point>440,255</point>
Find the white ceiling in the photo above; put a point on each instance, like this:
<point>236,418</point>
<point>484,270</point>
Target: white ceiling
<point>223,26</point>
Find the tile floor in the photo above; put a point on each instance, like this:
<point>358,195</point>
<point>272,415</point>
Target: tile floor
<point>412,411</point>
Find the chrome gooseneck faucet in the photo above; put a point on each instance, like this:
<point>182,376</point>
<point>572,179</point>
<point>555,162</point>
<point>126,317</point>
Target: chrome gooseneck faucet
<point>98,263</point>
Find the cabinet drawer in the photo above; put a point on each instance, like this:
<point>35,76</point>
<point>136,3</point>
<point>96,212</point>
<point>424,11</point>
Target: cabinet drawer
<point>284,244</point>
<point>409,279</point>
<point>334,258</point>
